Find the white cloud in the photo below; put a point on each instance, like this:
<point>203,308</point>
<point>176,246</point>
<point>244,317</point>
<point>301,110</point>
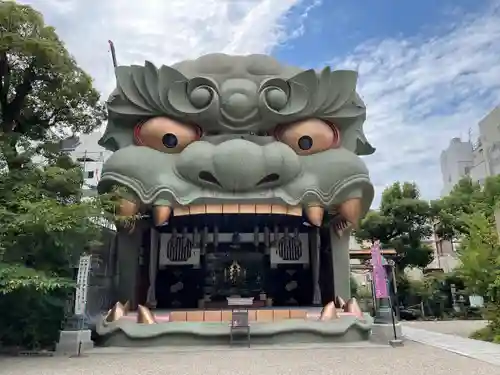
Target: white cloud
<point>422,92</point>
<point>166,31</point>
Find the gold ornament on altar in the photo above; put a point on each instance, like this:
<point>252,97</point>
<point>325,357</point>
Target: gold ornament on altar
<point>234,271</point>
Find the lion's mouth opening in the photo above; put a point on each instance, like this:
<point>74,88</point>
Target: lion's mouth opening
<point>343,216</point>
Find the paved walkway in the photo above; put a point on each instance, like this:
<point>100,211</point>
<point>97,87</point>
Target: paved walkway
<point>439,357</point>
<point>480,350</point>
<point>463,328</point>
<point>412,359</point>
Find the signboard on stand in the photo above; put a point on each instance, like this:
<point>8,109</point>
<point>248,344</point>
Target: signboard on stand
<point>82,282</point>
<point>70,340</point>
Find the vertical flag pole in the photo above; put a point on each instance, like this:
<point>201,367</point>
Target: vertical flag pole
<point>384,313</point>
<point>113,52</point>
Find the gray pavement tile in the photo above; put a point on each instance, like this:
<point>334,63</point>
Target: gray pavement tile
<point>211,348</point>
<point>412,359</point>
<point>479,350</point>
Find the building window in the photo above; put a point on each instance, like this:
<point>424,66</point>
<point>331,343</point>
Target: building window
<point>90,174</point>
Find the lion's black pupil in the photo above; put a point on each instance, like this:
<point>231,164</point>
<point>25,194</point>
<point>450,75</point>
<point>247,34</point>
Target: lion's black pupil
<point>170,140</point>
<point>305,142</point>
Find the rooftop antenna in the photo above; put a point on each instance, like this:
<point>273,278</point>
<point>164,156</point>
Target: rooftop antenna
<point>113,52</point>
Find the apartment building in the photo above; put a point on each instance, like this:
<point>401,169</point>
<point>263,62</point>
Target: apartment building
<point>445,257</point>
<point>85,150</point>
<point>456,162</point>
<point>479,159</point>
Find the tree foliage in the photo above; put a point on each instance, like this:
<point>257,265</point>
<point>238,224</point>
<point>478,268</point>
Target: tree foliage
<point>467,197</point>
<point>480,269</point>
<point>43,93</point>
<point>45,225</point>
<point>467,214</point>
<point>401,223</point>
<point>479,254</point>
<point>42,90</point>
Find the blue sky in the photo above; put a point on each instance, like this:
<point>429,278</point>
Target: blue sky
<point>429,69</point>
<point>341,25</point>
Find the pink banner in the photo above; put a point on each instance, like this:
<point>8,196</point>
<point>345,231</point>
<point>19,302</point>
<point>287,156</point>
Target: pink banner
<point>379,275</point>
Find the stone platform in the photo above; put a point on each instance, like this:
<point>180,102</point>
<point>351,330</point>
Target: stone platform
<point>265,314</point>
<point>198,327</point>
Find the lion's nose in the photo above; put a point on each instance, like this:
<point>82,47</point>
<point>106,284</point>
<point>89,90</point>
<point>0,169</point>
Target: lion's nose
<point>239,165</point>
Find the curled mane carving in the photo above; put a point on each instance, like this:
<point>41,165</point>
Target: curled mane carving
<point>146,91</point>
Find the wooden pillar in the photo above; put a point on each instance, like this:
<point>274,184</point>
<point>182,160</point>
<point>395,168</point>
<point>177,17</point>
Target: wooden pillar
<point>315,264</point>
<point>341,263</point>
<point>153,268</point>
<point>326,267</point>
<point>128,248</point>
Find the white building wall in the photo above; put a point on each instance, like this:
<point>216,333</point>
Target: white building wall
<point>91,156</point>
<point>479,171</point>
<point>479,161</point>
<point>445,257</point>
<point>92,172</point>
<point>456,162</point>
<point>489,127</point>
<point>487,150</point>
<point>490,132</point>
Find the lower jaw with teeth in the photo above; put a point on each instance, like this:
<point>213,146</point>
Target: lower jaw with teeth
<point>349,212</point>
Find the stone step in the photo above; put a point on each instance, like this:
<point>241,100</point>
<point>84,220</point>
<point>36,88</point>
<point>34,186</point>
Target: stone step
<point>224,315</point>
<point>263,315</point>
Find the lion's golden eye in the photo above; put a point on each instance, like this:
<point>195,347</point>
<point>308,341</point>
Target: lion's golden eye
<point>309,136</point>
<point>166,135</point>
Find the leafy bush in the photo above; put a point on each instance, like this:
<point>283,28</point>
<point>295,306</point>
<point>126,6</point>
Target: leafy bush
<point>483,334</point>
<point>30,319</point>
<point>491,332</point>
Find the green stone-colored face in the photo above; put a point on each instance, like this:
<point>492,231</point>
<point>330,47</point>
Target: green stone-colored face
<point>237,129</point>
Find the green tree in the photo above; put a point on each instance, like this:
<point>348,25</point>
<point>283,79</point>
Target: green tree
<point>44,228</point>
<point>479,255</point>
<point>468,214</point>
<point>402,223</point>
<point>451,213</point>
<point>43,92</point>
<point>480,269</point>
<point>43,95</point>
<point>45,224</point>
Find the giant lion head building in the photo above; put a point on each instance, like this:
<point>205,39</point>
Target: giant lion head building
<point>247,178</point>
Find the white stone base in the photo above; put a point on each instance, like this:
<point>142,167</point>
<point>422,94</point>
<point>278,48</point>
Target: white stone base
<point>384,334</point>
<point>74,342</point>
